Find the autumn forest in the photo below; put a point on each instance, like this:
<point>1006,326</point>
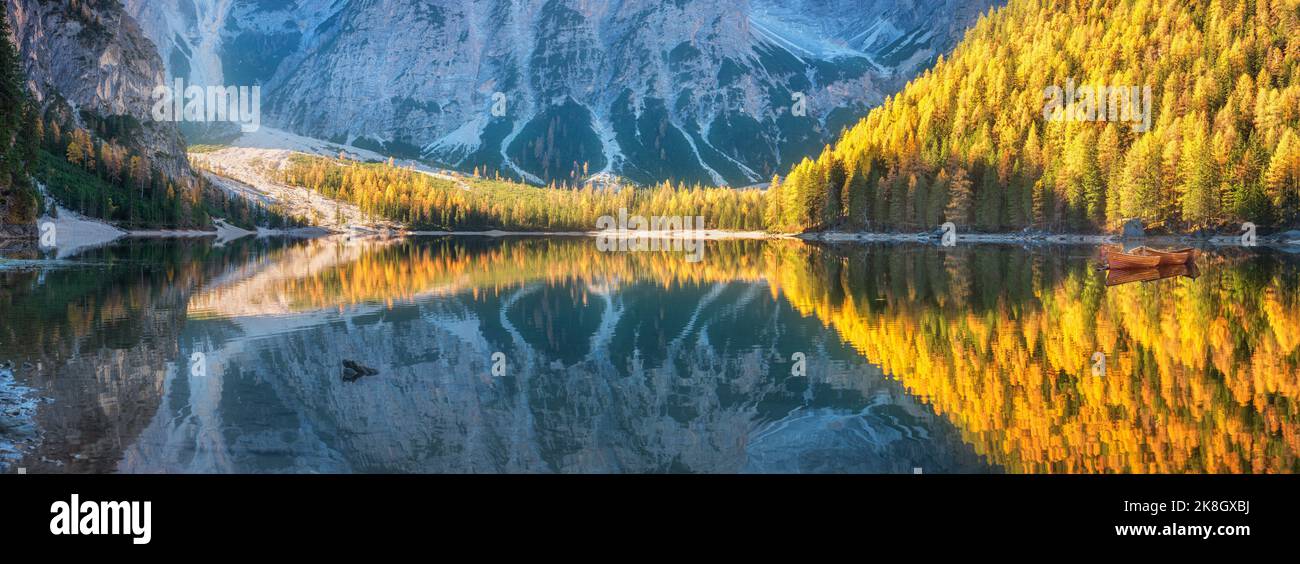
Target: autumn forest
<point>967,141</point>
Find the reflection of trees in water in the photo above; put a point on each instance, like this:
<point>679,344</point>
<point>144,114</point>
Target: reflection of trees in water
<point>334,273</point>
<point>99,340</point>
<point>616,362</point>
<point>644,362</point>
<point>610,402</point>
<point>1202,375</point>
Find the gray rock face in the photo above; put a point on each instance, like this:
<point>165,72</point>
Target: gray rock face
<point>22,232</point>
<point>714,91</point>
<point>95,57</point>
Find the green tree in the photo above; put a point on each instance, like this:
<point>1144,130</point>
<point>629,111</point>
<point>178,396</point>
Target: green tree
<point>18,135</point>
<point>855,200</point>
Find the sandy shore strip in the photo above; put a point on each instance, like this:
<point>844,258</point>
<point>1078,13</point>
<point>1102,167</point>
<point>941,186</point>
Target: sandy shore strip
<point>74,232</point>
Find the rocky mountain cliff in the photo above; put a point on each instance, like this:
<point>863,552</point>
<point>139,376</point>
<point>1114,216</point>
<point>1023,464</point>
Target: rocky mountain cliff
<point>90,59</point>
<point>714,91</point>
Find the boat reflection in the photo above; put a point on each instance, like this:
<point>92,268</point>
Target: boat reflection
<point>1118,277</point>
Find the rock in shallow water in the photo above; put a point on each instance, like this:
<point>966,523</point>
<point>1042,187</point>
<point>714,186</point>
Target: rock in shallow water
<point>353,370</point>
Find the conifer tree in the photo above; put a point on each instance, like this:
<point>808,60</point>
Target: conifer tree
<point>18,137</point>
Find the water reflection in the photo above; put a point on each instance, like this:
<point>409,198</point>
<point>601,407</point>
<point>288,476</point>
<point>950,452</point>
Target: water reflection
<point>951,360</point>
<point>91,344</point>
<point>1201,374</point>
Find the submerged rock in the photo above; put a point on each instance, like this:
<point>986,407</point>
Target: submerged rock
<point>353,370</point>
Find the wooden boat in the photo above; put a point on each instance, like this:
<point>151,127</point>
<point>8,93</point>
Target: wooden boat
<point>1139,258</point>
<point>1179,256</point>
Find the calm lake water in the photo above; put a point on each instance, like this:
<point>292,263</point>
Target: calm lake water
<point>547,355</point>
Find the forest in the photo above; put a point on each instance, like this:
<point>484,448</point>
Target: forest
<point>18,202</point>
<point>85,161</point>
<point>90,171</point>
<point>967,141</point>
<point>424,201</point>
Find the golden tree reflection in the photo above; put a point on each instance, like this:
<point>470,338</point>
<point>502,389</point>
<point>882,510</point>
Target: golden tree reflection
<point>1200,375</point>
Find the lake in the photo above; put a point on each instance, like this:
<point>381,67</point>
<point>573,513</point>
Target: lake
<point>531,355</point>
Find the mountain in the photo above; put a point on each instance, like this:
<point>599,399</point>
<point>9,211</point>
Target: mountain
<point>1004,133</point>
<point>89,61</point>
<point>710,91</point>
<point>81,82</point>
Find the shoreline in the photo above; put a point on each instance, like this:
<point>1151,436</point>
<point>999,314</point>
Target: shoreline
<point>709,234</point>
<point>1055,239</point>
<point>77,233</point>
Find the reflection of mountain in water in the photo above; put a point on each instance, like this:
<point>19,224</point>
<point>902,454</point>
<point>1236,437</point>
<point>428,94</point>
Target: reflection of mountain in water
<point>882,437</point>
<point>97,342</point>
<point>603,374</point>
<point>642,362</point>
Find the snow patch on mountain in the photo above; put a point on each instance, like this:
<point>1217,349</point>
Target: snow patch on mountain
<point>464,140</point>
<point>696,92</point>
